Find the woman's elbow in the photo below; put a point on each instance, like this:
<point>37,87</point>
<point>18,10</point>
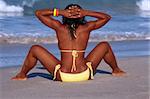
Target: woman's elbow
<point>108,17</point>
<point>37,13</point>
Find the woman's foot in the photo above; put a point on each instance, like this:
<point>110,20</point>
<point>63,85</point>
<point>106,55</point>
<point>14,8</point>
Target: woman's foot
<point>118,72</point>
<point>20,77</point>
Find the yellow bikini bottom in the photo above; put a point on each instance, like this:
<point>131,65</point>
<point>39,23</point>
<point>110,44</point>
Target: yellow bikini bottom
<point>69,77</point>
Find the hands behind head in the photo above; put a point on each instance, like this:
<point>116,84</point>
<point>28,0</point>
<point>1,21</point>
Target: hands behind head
<point>74,12</point>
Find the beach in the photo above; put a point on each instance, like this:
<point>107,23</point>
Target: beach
<point>128,33</point>
<point>104,86</point>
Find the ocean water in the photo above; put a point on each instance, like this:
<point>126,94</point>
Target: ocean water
<point>18,24</point>
<point>14,54</point>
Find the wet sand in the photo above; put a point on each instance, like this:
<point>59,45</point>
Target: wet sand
<point>105,86</point>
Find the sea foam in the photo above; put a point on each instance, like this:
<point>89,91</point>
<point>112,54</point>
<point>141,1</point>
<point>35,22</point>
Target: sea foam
<point>28,39</point>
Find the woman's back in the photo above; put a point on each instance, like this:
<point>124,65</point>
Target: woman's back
<point>65,42</point>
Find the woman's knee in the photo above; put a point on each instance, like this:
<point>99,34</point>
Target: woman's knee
<point>35,48</point>
<point>104,44</point>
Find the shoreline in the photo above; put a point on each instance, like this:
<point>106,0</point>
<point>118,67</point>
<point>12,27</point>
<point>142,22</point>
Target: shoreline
<point>39,64</point>
<point>9,53</point>
<point>105,86</point>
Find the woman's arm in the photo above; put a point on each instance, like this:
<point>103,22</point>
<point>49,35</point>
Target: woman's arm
<point>102,18</point>
<point>44,16</point>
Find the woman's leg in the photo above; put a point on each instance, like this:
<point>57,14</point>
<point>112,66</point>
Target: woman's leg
<point>104,51</point>
<point>36,53</point>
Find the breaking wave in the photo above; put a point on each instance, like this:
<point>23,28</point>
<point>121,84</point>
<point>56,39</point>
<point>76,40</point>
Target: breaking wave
<point>20,8</point>
<point>144,6</point>
<point>10,10</point>
<point>27,7</point>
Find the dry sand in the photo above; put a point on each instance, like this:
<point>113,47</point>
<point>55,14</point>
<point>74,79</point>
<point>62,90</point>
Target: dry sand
<point>40,86</point>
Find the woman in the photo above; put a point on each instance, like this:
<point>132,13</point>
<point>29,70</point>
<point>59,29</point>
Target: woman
<point>72,34</point>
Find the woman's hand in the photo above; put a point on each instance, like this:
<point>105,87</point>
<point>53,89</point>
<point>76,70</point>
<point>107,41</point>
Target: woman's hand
<point>73,12</point>
<point>82,13</point>
<point>64,13</point>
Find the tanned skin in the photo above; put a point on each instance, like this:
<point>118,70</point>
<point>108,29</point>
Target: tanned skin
<point>49,61</point>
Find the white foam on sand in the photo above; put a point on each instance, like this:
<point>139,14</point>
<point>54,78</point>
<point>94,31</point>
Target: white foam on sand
<point>27,38</point>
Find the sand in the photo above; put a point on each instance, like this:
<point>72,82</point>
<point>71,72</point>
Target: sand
<point>105,86</point>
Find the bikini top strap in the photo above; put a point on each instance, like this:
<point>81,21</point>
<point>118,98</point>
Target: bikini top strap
<point>75,55</point>
<point>72,50</point>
